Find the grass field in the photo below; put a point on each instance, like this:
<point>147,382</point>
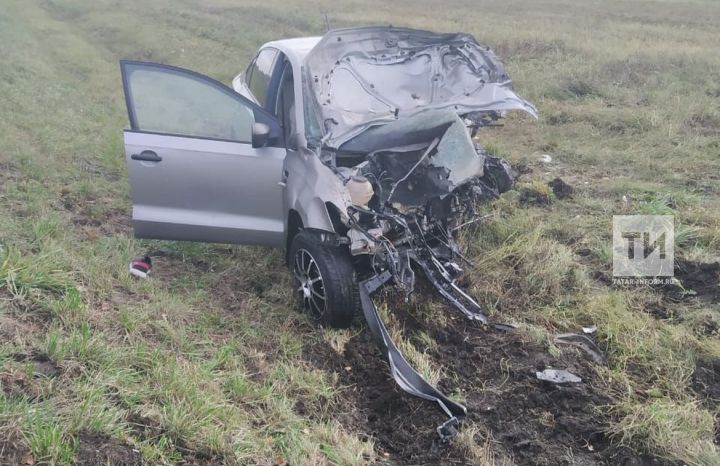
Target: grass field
<point>208,362</point>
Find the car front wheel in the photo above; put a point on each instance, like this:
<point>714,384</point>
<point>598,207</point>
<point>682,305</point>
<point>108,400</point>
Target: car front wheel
<point>324,280</point>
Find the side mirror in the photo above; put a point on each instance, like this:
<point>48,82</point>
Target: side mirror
<point>260,134</point>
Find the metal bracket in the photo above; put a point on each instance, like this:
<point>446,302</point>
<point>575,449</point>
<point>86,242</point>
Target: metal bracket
<point>450,291</point>
<point>404,374</point>
<point>448,429</point>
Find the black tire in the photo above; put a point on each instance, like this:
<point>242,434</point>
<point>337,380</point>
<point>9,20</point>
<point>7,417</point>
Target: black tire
<point>324,280</point>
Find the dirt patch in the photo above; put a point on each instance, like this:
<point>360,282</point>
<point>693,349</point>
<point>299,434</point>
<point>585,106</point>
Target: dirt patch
<point>561,189</point>
<point>10,327</point>
<point>575,88</point>
<point>12,448</point>
<point>95,218</point>
<point>94,449</point>
<point>701,280</point>
<point>400,425</point>
<point>531,196</point>
<point>9,171</point>
<point>704,123</point>
<point>110,222</point>
<point>43,365</point>
<point>706,382</point>
<point>537,422</point>
<point>533,422</point>
<point>660,311</point>
<point>145,428</point>
<point>17,381</point>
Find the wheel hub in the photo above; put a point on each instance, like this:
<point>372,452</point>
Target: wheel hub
<point>311,286</point>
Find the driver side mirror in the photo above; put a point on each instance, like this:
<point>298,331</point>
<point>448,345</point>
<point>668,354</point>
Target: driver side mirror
<point>260,134</point>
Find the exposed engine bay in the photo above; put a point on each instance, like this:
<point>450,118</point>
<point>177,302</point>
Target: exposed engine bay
<point>408,202</point>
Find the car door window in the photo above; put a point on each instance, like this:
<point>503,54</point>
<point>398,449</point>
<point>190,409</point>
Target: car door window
<point>169,100</point>
<point>260,73</point>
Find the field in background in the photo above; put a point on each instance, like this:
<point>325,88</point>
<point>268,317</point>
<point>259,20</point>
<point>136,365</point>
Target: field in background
<point>209,363</point>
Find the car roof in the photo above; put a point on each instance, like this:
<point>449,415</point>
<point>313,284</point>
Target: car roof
<point>295,48</point>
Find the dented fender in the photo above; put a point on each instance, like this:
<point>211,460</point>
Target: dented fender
<point>309,185</point>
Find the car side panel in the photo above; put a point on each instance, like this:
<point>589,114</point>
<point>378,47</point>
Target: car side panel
<point>206,190</point>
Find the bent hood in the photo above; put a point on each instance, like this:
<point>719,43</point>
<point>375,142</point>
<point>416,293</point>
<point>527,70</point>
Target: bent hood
<point>357,78</point>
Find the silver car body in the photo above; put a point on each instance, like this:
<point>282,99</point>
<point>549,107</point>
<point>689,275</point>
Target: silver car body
<point>208,182</point>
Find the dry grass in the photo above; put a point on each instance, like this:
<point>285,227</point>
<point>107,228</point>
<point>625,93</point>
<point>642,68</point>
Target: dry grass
<point>204,362</point>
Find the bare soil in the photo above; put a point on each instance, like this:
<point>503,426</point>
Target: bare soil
<point>95,218</point>
<point>535,422</point>
<point>706,382</point>
<point>561,189</point>
<point>706,385</point>
<point>700,280</point>
<point>144,428</point>
<point>12,450</point>
<point>17,382</point>
<point>94,449</point>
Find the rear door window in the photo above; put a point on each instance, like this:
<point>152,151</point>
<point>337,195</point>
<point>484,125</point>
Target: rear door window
<point>260,73</point>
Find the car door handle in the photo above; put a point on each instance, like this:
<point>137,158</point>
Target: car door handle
<point>147,156</point>
<point>283,181</point>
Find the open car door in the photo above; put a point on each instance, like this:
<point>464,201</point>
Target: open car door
<point>194,172</point>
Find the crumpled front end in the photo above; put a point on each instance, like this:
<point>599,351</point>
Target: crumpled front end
<point>406,204</point>
<point>392,113</point>
<point>407,201</point>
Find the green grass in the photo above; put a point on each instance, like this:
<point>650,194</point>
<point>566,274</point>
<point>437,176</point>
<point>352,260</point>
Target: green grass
<point>211,356</point>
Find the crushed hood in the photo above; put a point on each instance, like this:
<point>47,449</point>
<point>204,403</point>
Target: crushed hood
<point>356,78</point>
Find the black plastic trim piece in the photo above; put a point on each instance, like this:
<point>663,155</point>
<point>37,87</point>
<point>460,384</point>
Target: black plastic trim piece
<point>404,374</point>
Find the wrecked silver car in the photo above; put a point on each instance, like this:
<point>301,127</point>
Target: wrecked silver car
<point>353,151</point>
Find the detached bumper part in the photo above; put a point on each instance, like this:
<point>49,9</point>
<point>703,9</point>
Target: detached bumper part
<point>440,279</point>
<point>404,374</point>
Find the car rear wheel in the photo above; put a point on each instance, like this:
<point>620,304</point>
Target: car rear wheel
<point>324,280</point>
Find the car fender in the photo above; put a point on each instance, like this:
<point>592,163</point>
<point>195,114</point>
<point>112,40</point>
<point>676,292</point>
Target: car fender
<point>309,185</point>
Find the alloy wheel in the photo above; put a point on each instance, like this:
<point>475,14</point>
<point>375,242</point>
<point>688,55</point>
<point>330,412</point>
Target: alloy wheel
<point>311,286</point>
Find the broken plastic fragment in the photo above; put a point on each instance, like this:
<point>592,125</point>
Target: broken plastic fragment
<point>557,376</point>
<point>505,327</point>
<point>583,342</point>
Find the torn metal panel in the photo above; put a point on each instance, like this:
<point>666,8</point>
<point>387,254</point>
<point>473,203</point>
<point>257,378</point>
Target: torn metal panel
<point>436,156</point>
<point>361,77</point>
<point>456,152</point>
